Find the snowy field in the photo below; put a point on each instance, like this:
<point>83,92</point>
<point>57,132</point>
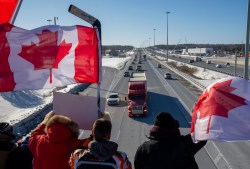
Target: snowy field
<point>18,105</point>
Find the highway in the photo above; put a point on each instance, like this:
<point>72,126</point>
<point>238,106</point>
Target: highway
<point>176,96</point>
<point>233,155</point>
<point>130,133</point>
<point>212,66</point>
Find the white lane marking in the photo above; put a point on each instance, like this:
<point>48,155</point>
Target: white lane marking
<point>111,85</point>
<point>118,135</point>
<point>117,138</point>
<point>220,155</point>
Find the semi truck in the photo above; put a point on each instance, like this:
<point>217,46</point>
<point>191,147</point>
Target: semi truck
<point>137,94</point>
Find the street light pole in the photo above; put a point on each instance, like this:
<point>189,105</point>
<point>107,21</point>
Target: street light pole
<point>247,44</point>
<point>235,63</point>
<point>55,19</point>
<point>167,33</point>
<point>154,36</point>
<point>49,20</point>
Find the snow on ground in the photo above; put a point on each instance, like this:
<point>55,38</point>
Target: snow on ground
<point>115,62</point>
<point>18,105</point>
<point>207,76</point>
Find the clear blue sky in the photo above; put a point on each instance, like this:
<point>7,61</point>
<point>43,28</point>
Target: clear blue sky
<point>131,22</point>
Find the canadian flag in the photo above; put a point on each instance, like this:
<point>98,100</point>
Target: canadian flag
<point>222,112</point>
<point>7,10</point>
<point>48,56</point>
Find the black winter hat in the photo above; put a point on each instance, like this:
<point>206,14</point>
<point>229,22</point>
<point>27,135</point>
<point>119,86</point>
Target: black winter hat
<point>165,120</point>
<point>6,129</point>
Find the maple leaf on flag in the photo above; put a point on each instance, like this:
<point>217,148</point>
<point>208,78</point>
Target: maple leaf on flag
<point>218,101</point>
<point>47,54</point>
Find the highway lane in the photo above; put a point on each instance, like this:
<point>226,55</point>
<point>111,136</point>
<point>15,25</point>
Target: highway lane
<point>236,154</point>
<point>225,69</point>
<point>131,132</point>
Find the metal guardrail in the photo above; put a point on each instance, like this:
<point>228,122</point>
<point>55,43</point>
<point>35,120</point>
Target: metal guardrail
<point>187,77</point>
<point>220,71</point>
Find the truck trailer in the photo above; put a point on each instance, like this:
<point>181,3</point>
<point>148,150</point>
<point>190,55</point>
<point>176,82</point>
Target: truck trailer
<point>137,94</point>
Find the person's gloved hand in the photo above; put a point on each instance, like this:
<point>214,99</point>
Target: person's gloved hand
<point>91,137</point>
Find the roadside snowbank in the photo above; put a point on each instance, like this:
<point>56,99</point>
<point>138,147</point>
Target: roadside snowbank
<point>207,76</point>
<point>114,62</point>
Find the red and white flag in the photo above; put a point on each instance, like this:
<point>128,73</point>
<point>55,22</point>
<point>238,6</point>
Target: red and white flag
<point>7,10</point>
<point>48,56</point>
<point>222,112</point>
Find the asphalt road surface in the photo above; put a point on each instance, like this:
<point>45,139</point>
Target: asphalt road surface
<point>176,96</point>
<point>130,133</point>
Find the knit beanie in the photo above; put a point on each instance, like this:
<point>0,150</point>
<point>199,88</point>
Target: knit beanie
<point>6,129</point>
<point>165,120</point>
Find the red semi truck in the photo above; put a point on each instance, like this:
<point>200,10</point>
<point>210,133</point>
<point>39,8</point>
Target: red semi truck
<point>137,94</point>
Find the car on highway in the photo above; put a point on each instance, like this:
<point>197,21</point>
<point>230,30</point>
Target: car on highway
<point>130,67</point>
<point>191,61</point>
<point>197,59</point>
<point>168,76</point>
<point>113,99</point>
<point>159,65</point>
<point>208,61</point>
<point>218,66</point>
<point>138,68</point>
<point>126,74</point>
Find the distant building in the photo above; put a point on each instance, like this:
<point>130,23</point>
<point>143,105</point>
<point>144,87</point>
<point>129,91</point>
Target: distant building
<point>198,51</point>
<point>107,52</point>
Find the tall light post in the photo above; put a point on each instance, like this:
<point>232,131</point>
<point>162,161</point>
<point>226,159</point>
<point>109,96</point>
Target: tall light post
<point>154,36</point>
<point>247,44</point>
<point>55,19</point>
<point>167,33</point>
<point>149,42</point>
<point>49,20</point>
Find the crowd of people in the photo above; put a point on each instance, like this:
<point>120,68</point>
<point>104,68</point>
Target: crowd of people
<point>54,144</point>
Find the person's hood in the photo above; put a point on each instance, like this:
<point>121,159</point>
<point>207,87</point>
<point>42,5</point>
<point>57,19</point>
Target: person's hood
<point>59,132</point>
<point>158,133</point>
<point>103,149</point>
<point>58,129</point>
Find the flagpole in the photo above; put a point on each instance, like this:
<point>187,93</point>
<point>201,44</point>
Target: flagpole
<point>16,11</point>
<point>96,24</point>
<point>247,44</point>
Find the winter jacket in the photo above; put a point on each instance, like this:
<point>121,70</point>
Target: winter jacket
<point>21,156</point>
<point>6,146</point>
<point>167,149</point>
<point>51,149</point>
<point>100,155</point>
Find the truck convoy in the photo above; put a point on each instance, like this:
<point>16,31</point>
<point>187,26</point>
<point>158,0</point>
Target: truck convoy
<point>137,94</point>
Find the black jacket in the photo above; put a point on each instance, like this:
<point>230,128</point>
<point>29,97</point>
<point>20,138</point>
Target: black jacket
<point>168,152</point>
